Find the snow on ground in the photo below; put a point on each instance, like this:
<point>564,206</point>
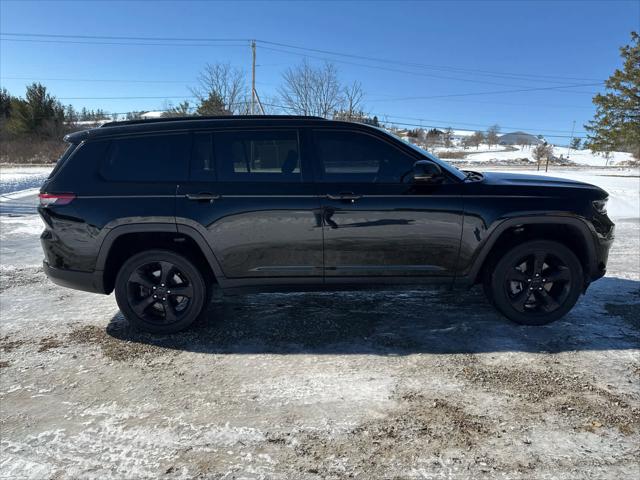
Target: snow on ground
<point>502,153</point>
<point>13,179</point>
<point>588,158</point>
<point>622,185</point>
<point>412,384</point>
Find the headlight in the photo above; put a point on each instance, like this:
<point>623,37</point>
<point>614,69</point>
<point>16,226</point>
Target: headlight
<point>600,206</point>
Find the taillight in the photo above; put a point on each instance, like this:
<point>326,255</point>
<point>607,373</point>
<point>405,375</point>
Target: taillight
<point>55,198</point>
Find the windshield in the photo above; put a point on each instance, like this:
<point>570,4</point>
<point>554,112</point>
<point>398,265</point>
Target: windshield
<point>444,165</point>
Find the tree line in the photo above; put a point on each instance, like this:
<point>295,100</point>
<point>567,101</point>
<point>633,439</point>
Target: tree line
<point>306,89</point>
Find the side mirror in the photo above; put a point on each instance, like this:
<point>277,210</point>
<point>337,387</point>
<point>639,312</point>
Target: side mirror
<point>427,172</point>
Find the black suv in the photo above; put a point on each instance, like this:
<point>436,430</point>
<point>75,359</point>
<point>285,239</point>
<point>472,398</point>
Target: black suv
<point>162,211</point>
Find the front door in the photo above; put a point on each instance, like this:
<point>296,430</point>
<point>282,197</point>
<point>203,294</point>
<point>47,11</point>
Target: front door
<point>251,196</point>
<point>377,222</point>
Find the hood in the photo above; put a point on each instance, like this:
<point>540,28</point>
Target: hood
<point>524,180</point>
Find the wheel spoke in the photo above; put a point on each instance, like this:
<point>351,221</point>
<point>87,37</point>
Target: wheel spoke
<point>560,275</point>
<point>165,272</point>
<point>538,262</point>
<point>548,303</point>
<point>169,312</point>
<point>140,279</point>
<point>140,306</point>
<point>515,275</point>
<point>520,300</point>
<point>182,290</point>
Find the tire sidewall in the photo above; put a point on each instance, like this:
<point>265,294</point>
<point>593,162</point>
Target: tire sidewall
<point>499,296</point>
<point>185,265</point>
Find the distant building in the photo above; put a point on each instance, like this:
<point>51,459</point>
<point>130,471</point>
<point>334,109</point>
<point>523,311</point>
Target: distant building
<point>149,115</point>
<point>519,138</point>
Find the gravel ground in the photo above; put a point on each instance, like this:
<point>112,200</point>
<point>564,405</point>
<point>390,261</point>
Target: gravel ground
<point>411,384</point>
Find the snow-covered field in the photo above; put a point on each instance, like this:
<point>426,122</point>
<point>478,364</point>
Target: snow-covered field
<point>499,154</point>
<point>414,384</point>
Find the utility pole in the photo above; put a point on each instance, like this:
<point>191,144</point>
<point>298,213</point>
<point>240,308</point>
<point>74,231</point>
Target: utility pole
<point>253,78</point>
<point>571,139</point>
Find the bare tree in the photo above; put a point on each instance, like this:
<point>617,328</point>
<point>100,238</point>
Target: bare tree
<point>309,90</point>
<point>493,134</point>
<point>225,84</point>
<point>542,151</point>
<point>353,98</point>
<point>476,139</point>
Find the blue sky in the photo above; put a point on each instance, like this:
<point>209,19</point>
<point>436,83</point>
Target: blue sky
<point>464,49</point>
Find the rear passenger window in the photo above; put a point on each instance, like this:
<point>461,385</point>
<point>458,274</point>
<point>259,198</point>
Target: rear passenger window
<point>149,158</point>
<point>258,156</point>
<point>202,162</point>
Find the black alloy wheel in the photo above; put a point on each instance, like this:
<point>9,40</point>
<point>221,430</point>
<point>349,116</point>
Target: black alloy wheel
<point>160,291</point>
<point>536,282</point>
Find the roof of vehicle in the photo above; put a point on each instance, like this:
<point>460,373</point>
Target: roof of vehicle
<point>191,123</point>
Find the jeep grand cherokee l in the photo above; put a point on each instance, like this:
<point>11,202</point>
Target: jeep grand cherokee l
<point>162,211</point>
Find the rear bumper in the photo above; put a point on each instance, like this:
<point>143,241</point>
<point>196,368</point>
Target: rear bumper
<point>85,281</point>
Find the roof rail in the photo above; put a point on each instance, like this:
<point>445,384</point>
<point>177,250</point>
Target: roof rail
<point>210,117</point>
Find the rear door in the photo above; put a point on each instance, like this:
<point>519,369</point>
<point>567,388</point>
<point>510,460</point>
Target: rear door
<point>377,222</point>
<point>250,194</point>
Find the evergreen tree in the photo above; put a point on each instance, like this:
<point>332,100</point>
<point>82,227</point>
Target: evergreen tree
<point>575,143</point>
<point>70,115</point>
<point>213,105</point>
<point>616,124</point>
<point>183,109</point>
<point>38,113</point>
<point>5,104</point>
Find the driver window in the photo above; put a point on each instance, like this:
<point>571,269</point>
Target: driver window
<point>347,156</point>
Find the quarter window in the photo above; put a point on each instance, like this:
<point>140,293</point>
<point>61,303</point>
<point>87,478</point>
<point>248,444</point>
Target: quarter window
<point>258,156</point>
<point>357,157</point>
<point>149,158</point>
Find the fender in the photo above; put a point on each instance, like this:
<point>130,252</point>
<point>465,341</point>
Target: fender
<point>185,230</point>
<point>483,251</point>
<point>118,231</point>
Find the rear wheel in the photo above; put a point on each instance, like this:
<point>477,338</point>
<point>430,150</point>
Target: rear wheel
<point>535,282</point>
<point>160,291</point>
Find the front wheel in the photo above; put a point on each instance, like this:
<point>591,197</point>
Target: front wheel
<point>160,291</point>
<point>535,282</point>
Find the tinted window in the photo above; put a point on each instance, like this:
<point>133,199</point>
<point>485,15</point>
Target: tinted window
<point>358,157</point>
<point>258,156</point>
<point>202,162</point>
<point>149,158</point>
<point>62,160</point>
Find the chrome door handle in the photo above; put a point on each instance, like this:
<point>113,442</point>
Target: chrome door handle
<point>345,197</point>
<point>200,197</point>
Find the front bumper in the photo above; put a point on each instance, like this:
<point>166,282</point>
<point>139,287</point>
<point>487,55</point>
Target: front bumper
<point>85,281</point>
<point>602,246</point>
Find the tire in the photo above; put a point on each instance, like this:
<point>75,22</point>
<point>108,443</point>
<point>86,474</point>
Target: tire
<point>535,283</point>
<point>148,291</point>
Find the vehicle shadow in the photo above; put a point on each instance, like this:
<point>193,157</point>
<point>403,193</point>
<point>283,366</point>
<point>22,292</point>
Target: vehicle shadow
<point>398,323</point>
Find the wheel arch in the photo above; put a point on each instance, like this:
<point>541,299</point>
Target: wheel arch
<point>570,231</point>
<point>126,240</point>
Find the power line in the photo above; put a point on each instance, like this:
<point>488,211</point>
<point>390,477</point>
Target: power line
<point>10,77</point>
<point>245,41</point>
<point>87,42</point>
<point>117,37</point>
<point>481,93</point>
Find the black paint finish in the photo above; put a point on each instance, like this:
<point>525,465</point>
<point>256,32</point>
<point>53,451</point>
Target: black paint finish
<point>305,233</point>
